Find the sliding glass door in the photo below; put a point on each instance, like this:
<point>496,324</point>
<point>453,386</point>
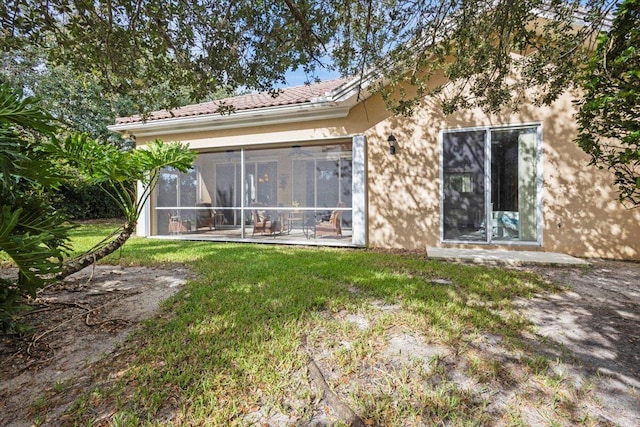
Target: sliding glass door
<point>490,185</point>
<point>464,185</point>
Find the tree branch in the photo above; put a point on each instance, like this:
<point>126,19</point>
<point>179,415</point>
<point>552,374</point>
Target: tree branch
<point>343,411</point>
<point>307,31</point>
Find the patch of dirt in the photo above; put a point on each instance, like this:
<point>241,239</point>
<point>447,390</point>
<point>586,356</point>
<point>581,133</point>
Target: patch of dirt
<point>75,323</point>
<point>597,319</point>
<point>585,343</point>
<point>590,329</point>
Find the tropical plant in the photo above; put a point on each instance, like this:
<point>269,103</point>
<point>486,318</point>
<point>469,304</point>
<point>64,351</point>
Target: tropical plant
<point>114,170</point>
<point>32,162</point>
<point>32,232</point>
<point>609,114</point>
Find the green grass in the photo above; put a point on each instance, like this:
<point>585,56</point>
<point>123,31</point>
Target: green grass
<point>231,340</point>
<point>83,238</point>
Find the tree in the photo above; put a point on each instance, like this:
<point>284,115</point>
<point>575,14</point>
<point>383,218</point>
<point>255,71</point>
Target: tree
<point>76,100</point>
<point>32,160</point>
<point>78,103</point>
<point>609,114</point>
<point>32,232</point>
<point>133,47</point>
<point>113,170</point>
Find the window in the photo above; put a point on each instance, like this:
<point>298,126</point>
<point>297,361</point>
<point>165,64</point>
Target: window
<point>462,182</point>
<point>490,185</point>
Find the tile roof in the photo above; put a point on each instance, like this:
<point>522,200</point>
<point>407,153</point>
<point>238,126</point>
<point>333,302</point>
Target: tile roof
<point>288,96</point>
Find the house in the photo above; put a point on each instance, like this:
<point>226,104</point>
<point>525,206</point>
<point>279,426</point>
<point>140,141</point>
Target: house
<point>286,169</point>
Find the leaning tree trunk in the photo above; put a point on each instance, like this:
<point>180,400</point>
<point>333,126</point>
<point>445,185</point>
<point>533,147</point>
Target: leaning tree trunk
<point>89,258</point>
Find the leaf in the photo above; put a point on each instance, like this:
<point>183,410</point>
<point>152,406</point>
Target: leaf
<point>31,233</point>
<point>607,115</point>
<point>158,154</point>
<point>32,243</point>
<point>23,111</point>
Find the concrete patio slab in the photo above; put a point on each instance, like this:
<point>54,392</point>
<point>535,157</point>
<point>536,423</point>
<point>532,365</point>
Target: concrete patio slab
<point>490,256</point>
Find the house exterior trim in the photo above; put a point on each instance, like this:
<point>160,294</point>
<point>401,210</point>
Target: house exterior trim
<point>241,119</point>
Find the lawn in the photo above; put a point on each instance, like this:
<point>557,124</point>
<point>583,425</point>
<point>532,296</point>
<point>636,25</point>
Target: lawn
<point>400,339</point>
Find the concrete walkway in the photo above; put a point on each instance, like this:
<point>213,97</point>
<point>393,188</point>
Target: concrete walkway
<point>504,257</point>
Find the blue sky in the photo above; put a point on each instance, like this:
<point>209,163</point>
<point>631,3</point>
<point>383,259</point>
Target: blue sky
<point>297,78</point>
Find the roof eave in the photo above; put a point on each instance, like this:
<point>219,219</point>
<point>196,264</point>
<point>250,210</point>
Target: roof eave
<point>240,119</point>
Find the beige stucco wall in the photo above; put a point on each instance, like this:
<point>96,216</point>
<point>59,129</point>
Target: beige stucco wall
<point>581,213</point>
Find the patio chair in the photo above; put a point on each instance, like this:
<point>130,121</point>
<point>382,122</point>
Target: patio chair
<point>206,216</point>
<point>177,225</point>
<point>333,226</point>
<point>263,224</point>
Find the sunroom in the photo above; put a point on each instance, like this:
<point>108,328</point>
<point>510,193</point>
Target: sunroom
<point>305,193</point>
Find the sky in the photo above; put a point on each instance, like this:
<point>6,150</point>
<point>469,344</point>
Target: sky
<point>298,77</point>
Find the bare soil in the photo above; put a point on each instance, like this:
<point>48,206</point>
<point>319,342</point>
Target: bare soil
<point>597,319</point>
<point>73,325</point>
<point>83,320</point>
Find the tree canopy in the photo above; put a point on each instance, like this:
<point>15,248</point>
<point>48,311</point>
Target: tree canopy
<point>165,53</point>
<point>77,100</point>
<point>132,47</point>
<point>609,115</point>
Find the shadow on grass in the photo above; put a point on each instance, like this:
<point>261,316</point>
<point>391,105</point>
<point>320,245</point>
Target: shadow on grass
<point>236,330</point>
